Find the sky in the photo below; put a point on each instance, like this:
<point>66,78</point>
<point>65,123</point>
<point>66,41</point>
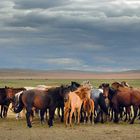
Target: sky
<point>88,35</point>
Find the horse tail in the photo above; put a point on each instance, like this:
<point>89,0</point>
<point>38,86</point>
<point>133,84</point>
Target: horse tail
<point>103,104</point>
<point>20,105</point>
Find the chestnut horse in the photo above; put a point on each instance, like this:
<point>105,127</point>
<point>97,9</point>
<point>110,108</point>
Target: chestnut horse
<point>123,98</point>
<point>88,108</point>
<point>74,103</point>
<point>42,99</point>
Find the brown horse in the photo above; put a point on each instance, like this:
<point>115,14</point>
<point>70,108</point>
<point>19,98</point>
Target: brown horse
<point>88,108</point>
<point>123,97</point>
<point>74,102</point>
<point>4,103</point>
<point>41,99</point>
<point>123,86</point>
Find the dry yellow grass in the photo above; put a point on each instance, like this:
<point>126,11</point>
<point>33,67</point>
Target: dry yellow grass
<point>12,129</point>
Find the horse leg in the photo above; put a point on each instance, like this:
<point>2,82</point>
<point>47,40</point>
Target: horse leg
<point>62,117</point>
<point>112,114</point>
<point>66,115</point>
<point>81,114</point>
<point>28,114</point>
<point>92,117</point>
<point>135,114</point>
<point>129,114</point>
<point>116,112</point>
<point>1,111</point>
<point>58,112</point>
<point>5,109</point>
<point>102,117</point>
<point>42,112</point>
<point>78,121</point>
<point>98,114</point>
<point>51,116</point>
<point>71,113</point>
<point>84,117</point>
<point>75,116</point>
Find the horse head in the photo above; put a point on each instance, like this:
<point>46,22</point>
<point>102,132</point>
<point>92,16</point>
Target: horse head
<point>105,87</point>
<point>87,84</point>
<point>83,92</point>
<point>123,86</point>
<point>116,85</point>
<point>9,93</point>
<point>64,91</point>
<point>74,85</point>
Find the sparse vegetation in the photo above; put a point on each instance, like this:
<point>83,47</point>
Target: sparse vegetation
<point>12,129</point>
<point>34,82</point>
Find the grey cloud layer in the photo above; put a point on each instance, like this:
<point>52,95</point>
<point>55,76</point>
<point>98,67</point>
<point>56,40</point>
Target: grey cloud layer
<point>97,34</point>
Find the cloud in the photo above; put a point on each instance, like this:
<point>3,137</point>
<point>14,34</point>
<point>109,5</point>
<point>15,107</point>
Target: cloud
<point>72,34</point>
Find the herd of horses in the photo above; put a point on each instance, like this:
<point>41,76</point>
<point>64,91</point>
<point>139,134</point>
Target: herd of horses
<point>76,102</point>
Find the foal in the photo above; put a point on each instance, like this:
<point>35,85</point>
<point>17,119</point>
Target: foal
<point>74,103</point>
<point>88,108</point>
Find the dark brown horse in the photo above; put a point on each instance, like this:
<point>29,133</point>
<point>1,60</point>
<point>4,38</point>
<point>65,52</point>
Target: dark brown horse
<point>42,99</point>
<point>123,98</point>
<point>4,102</point>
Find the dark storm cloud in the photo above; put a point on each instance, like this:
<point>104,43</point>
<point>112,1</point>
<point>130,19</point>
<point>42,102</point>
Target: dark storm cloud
<point>30,4</point>
<point>74,34</point>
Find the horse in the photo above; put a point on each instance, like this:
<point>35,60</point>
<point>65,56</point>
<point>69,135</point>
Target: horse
<point>123,86</point>
<point>41,99</point>
<point>74,85</point>
<point>123,98</point>
<point>100,105</point>
<point>4,102</point>
<point>74,102</point>
<point>88,108</point>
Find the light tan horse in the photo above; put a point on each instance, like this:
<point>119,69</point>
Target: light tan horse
<point>88,108</point>
<point>74,102</point>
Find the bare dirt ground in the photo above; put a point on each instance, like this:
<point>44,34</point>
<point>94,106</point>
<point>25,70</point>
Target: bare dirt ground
<point>12,129</point>
<point>29,74</point>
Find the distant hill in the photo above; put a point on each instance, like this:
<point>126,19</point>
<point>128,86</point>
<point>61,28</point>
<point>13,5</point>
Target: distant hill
<point>66,74</point>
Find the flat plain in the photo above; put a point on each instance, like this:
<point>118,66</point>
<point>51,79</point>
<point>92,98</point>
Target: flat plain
<point>12,129</point>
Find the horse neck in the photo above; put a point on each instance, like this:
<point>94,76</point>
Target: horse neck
<point>3,92</point>
<point>123,89</point>
<point>55,92</point>
<point>80,94</point>
<point>18,89</point>
<point>112,92</point>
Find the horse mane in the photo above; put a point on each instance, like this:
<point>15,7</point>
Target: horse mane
<point>123,86</point>
<point>82,92</point>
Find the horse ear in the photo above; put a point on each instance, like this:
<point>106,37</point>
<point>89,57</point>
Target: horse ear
<point>107,85</point>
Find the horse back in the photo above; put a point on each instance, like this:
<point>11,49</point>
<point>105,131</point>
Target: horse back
<point>88,105</point>
<point>35,98</point>
<point>74,100</point>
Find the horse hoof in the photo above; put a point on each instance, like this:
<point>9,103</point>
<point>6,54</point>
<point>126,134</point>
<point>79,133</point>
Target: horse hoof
<point>29,126</point>
<point>42,122</point>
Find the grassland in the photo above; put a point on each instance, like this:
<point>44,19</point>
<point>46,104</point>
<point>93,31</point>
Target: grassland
<point>12,129</point>
<point>34,82</point>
